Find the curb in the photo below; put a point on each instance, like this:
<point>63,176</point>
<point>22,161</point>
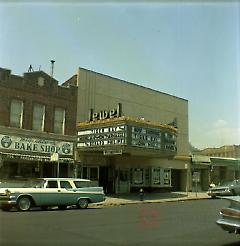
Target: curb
<point>112,204</point>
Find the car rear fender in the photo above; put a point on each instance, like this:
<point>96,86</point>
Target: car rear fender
<point>85,197</point>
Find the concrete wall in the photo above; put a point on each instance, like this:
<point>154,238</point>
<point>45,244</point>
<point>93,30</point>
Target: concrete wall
<point>102,92</point>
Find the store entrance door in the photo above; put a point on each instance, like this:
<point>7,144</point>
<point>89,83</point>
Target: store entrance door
<point>124,181</point>
<point>103,177</point>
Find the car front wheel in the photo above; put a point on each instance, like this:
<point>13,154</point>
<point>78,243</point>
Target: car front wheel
<point>24,203</point>
<point>82,203</point>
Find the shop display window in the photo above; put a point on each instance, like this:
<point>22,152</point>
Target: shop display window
<point>167,177</point>
<point>157,176</point>
<point>138,176</point>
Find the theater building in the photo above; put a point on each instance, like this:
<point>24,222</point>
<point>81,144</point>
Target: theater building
<point>129,136</point>
<point>37,126</point>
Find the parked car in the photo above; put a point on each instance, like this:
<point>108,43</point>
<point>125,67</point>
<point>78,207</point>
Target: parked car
<point>230,216</point>
<point>48,192</point>
<point>225,188</point>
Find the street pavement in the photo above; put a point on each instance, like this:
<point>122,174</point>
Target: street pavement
<point>134,198</point>
<point>167,223</point>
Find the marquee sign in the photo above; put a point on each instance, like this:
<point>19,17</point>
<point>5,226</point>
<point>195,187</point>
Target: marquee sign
<point>128,135</point>
<point>102,136</point>
<point>146,137</point>
<point>36,145</point>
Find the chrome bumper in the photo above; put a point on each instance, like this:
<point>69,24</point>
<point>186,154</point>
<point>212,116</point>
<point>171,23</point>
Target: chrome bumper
<point>230,226</point>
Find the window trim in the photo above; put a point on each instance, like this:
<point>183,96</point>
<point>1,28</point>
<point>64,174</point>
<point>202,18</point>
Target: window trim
<point>63,123</point>
<point>21,113</point>
<point>43,116</point>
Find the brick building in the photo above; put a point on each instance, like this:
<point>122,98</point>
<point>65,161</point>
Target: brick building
<point>37,119</point>
<point>229,151</point>
<point>224,162</point>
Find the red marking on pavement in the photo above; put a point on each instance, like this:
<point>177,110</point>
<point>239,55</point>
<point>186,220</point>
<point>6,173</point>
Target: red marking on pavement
<point>149,216</point>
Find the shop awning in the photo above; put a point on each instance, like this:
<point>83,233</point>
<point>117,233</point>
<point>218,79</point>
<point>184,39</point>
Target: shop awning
<point>225,162</point>
<point>41,158</point>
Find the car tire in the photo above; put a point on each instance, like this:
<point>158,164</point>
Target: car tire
<point>24,203</point>
<point>62,207</point>
<point>82,203</point>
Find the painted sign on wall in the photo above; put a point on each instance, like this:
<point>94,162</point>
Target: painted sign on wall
<point>36,145</point>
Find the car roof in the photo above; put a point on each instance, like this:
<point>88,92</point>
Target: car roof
<point>65,179</point>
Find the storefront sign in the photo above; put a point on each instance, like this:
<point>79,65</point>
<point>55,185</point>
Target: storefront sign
<point>105,114</point>
<point>102,136</point>
<point>36,145</point>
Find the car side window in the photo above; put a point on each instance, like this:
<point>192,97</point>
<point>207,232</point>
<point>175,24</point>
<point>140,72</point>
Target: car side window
<point>52,184</point>
<point>81,184</point>
<point>65,185</point>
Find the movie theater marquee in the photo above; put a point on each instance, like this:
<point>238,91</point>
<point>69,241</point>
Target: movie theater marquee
<point>125,135</point>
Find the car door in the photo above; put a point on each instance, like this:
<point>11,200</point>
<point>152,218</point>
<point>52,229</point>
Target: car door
<point>51,193</point>
<point>68,194</point>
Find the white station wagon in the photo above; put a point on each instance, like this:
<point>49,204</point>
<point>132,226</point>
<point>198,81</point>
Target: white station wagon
<point>49,192</point>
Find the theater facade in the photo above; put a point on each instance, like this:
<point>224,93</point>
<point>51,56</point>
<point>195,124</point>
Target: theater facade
<point>129,136</point>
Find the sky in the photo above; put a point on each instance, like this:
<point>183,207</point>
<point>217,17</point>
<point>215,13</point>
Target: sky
<point>189,49</point>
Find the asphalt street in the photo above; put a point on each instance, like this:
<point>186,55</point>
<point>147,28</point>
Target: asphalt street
<point>175,223</point>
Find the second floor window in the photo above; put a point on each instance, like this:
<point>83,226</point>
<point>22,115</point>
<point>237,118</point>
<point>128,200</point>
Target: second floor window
<point>38,117</point>
<point>16,113</point>
<point>59,120</point>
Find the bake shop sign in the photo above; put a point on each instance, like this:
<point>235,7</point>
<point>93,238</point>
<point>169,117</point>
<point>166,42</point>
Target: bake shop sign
<point>28,144</point>
<point>105,114</point>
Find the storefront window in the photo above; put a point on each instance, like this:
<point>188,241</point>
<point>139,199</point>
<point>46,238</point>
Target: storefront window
<point>167,176</point>
<point>156,176</point>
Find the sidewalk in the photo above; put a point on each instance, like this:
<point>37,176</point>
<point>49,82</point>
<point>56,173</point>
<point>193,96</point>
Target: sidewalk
<point>133,198</point>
